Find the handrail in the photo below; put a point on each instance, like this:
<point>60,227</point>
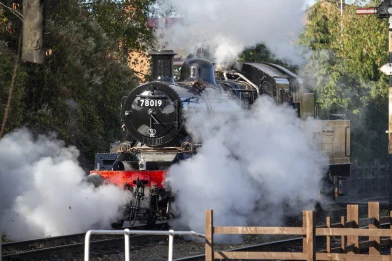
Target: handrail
<point>126,232</point>
<point>245,79</point>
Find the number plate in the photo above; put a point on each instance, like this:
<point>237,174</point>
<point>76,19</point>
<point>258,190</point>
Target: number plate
<point>151,103</point>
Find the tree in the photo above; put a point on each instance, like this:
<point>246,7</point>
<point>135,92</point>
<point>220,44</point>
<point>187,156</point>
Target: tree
<point>344,56</point>
<point>125,22</point>
<point>78,90</point>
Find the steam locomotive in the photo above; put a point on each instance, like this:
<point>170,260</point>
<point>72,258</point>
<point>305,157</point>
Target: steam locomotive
<point>153,120</point>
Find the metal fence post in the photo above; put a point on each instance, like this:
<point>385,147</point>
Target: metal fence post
<point>87,246</point>
<point>171,239</point>
<point>126,247</point>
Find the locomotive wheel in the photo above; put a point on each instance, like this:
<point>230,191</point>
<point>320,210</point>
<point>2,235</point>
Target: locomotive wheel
<point>94,179</point>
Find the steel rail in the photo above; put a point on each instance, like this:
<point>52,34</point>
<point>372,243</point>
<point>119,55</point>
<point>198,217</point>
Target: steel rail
<point>72,243</point>
<point>76,248</point>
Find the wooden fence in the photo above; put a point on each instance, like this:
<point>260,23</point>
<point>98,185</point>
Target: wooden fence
<point>348,231</point>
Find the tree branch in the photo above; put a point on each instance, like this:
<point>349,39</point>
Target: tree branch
<point>16,13</point>
<point>7,108</point>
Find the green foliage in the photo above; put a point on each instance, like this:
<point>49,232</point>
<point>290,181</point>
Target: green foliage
<point>342,69</point>
<point>124,21</point>
<point>3,20</point>
<point>78,90</point>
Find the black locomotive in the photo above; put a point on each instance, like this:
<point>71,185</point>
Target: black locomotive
<point>153,116</point>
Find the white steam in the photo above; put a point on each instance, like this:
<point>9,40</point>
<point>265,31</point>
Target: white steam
<point>42,192</point>
<point>228,26</point>
<point>253,168</point>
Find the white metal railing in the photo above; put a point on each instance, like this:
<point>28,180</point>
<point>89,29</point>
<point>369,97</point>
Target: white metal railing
<point>127,232</point>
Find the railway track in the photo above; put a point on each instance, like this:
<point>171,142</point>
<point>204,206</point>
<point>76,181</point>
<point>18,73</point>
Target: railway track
<point>70,246</point>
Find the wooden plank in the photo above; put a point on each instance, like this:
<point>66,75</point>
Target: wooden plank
<point>350,257</point>
<point>260,255</point>
<point>209,242</point>
<point>310,235</point>
<point>328,224</point>
<point>352,240</point>
<point>374,212</point>
<point>260,230</point>
<point>353,232</point>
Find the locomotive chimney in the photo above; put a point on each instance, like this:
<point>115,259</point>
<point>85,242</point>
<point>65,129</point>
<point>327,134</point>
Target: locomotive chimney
<point>162,65</point>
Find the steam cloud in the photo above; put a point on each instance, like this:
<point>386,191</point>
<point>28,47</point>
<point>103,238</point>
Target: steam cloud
<point>42,192</point>
<point>228,26</point>
<point>253,166</point>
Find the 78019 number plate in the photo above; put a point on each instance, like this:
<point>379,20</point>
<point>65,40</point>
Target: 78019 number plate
<point>151,103</point>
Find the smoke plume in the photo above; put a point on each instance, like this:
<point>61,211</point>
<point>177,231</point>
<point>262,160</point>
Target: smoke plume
<point>42,192</point>
<point>226,27</point>
<point>254,167</point>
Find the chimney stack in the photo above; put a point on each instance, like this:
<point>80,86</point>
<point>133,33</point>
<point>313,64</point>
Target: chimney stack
<point>162,65</point>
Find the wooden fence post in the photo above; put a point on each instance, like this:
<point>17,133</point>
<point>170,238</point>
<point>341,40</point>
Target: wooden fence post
<point>328,223</point>
<point>374,212</point>
<point>353,241</point>
<point>209,243</point>
<point>304,239</point>
<point>342,238</point>
<point>309,222</point>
